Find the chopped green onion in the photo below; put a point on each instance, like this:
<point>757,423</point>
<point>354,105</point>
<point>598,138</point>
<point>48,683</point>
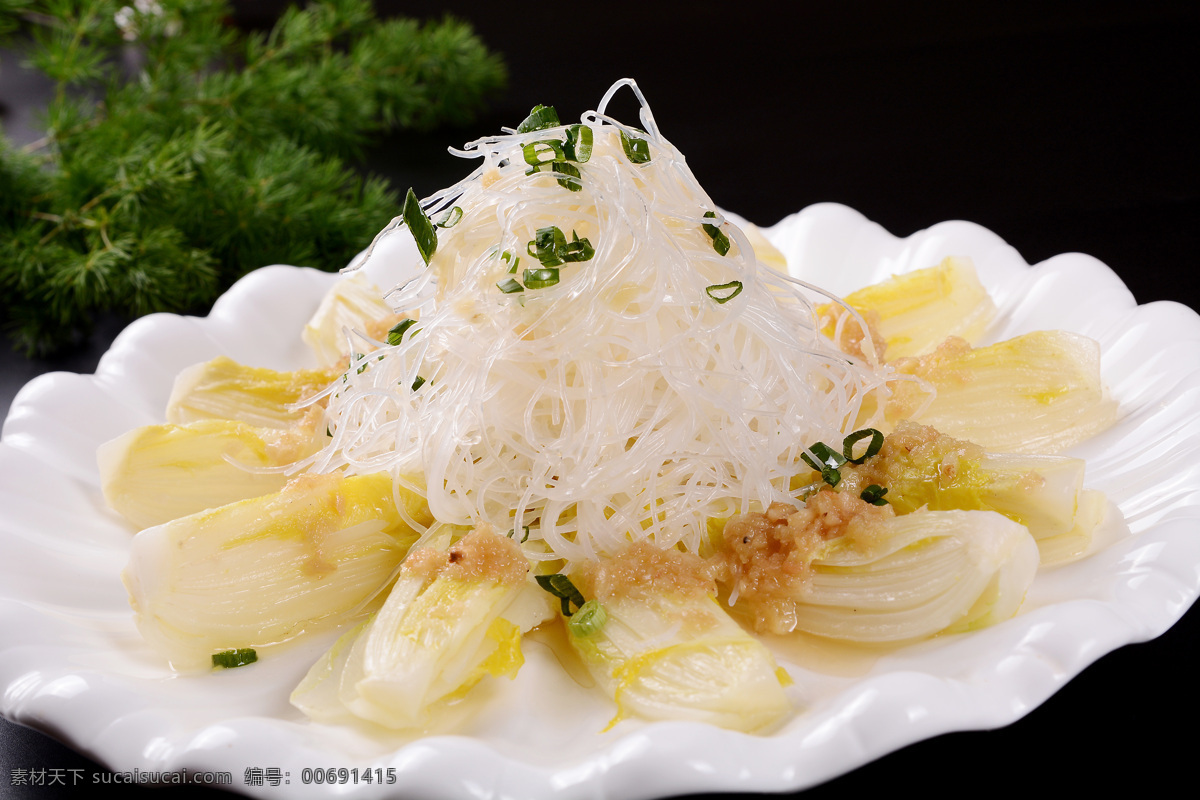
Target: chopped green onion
<point>422,229</point>
<point>720,241</point>
<point>533,152</point>
<point>827,455</point>
<point>541,278</point>
<point>636,150</point>
<point>524,538</point>
<point>724,292</point>
<point>873,448</point>
<point>545,245</point>
<point>229,659</point>
<point>589,619</point>
<point>449,218</point>
<point>396,334</point>
<point>510,286</point>
<point>578,146</point>
<point>573,181</point>
<point>510,259</point>
<point>418,383</point>
<point>561,587</point>
<point>576,250</point>
<point>551,248</point>
<point>828,461</point>
<point>873,494</point>
<point>540,118</point>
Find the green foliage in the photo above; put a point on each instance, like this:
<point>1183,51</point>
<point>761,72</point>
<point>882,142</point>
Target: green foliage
<point>161,182</point>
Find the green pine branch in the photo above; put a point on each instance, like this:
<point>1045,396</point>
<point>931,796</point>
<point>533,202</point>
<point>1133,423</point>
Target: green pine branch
<point>158,185</point>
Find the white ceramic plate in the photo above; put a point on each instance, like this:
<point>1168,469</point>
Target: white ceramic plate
<point>72,663</point>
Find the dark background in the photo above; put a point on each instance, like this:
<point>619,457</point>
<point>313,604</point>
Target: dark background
<point>1060,126</point>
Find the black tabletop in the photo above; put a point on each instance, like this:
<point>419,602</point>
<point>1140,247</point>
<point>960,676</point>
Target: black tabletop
<point>1061,129</point>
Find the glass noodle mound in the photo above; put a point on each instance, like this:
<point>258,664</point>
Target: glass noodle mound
<point>655,379</point>
<point>595,407</point>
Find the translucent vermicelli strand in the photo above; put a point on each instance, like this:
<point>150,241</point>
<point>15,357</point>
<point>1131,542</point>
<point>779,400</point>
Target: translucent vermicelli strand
<point>628,392</point>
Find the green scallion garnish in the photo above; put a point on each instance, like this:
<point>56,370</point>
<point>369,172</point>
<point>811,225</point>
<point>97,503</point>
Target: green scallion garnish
<point>578,146</point>
<point>229,659</point>
<point>720,240</point>
<point>571,180</point>
<point>551,248</point>
<point>510,286</point>
<point>541,278</point>
<point>636,150</point>
<point>826,457</point>
<point>873,494</point>
<point>396,334</point>
<point>828,462</point>
<point>589,619</point>
<point>525,529</point>
<point>874,447</point>
<point>449,218</point>
<point>510,259</point>
<point>534,152</point>
<point>545,245</point>
<point>724,292</point>
<point>540,118</point>
<point>561,587</point>
<point>556,154</point>
<point>576,250</point>
<point>418,383</point>
<point>422,229</point>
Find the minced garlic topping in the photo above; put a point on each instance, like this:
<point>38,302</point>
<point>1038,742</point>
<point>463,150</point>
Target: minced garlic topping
<point>284,445</point>
<point>909,396</point>
<point>645,570</point>
<point>769,555</point>
<point>911,455</point>
<point>480,555</point>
